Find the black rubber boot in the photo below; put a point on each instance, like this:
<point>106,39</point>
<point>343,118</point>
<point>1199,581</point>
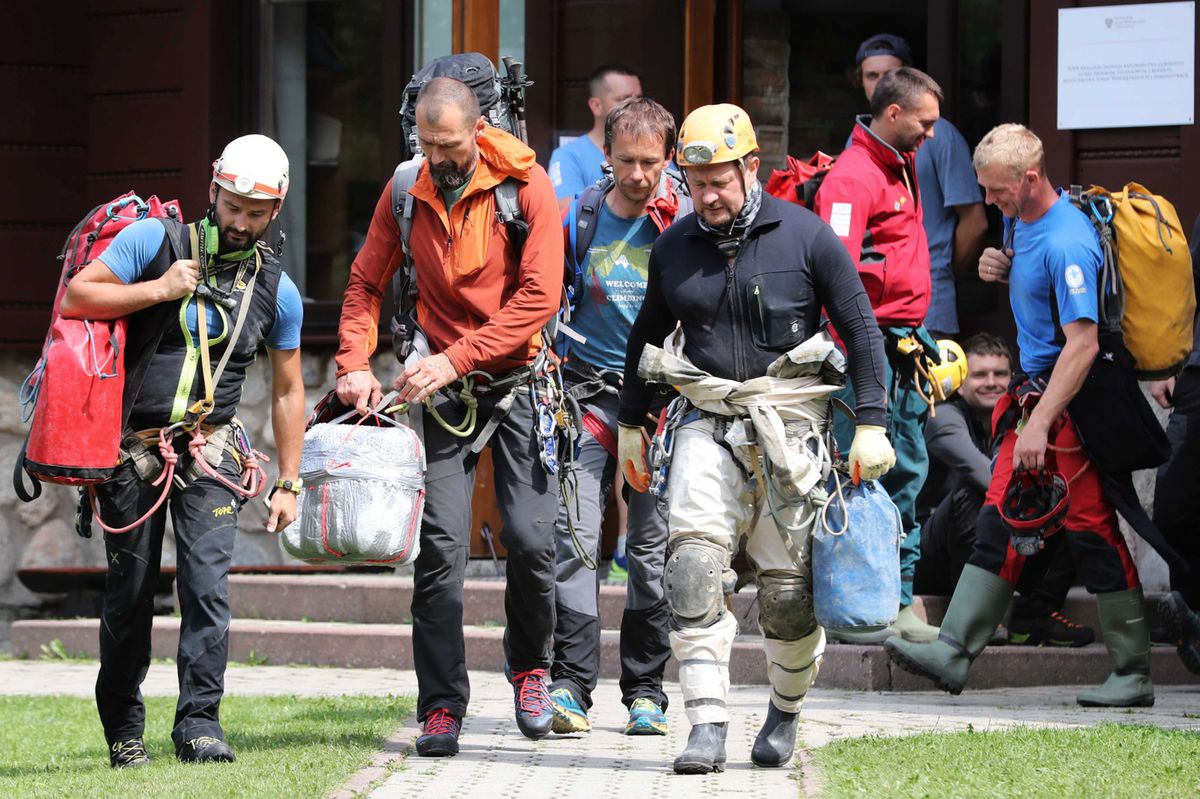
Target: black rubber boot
<point>1183,626</point>
<point>705,750</point>
<point>979,602</point>
<point>776,740</point>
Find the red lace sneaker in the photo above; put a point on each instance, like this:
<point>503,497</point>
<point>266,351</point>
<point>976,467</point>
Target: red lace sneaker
<point>440,734</point>
<point>1052,630</point>
<point>535,713</point>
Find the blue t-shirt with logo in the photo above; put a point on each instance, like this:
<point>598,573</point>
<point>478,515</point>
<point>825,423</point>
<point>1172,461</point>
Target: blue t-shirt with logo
<point>1057,259</point>
<point>134,249</point>
<point>575,166</point>
<point>614,284</point>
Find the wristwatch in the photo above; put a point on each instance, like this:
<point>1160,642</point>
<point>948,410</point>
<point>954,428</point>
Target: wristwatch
<point>288,485</point>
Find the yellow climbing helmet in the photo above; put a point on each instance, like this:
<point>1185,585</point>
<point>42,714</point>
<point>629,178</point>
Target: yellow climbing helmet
<point>948,375</point>
<point>715,134</point>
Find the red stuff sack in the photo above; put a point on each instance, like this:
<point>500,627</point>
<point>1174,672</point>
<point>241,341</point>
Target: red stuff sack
<point>799,180</point>
<point>76,389</point>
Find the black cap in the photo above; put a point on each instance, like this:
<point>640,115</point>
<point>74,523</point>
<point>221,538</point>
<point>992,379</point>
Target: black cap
<point>884,44</point>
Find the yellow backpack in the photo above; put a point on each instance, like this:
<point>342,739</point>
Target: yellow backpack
<point>1146,282</point>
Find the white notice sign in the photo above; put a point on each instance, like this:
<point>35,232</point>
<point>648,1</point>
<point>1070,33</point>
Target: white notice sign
<point>1126,66</point>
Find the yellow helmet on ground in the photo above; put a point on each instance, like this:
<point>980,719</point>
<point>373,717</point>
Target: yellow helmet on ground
<point>948,375</point>
<point>715,134</point>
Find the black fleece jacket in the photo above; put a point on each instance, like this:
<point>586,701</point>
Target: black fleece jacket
<point>738,319</point>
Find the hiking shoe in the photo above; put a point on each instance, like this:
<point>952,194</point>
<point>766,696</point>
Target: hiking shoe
<point>535,711</point>
<point>439,736</point>
<point>617,573</point>
<point>1183,629</point>
<point>569,715</point>
<point>1054,629</point>
<point>204,749</point>
<point>128,754</point>
<point>646,718</point>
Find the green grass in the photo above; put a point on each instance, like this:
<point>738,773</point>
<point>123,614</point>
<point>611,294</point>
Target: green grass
<point>286,746</point>
<point>1111,760</point>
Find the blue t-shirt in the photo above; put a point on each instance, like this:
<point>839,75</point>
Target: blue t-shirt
<point>134,249</point>
<point>614,285</point>
<point>1060,252</point>
<point>575,166</point>
<point>945,178</point>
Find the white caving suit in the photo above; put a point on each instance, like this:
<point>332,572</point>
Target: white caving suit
<point>766,482</point>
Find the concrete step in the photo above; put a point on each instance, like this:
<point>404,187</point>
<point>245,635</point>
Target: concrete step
<point>390,646</point>
<point>386,599</point>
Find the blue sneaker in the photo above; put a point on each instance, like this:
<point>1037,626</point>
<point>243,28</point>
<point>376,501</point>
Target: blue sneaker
<point>569,715</point>
<point>646,718</point>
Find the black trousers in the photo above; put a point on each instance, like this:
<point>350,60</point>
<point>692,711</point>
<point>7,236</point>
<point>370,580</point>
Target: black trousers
<point>528,501</point>
<point>948,538</point>
<point>204,521</point>
<point>1177,491</point>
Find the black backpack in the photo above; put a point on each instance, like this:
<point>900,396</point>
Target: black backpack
<point>502,103</point>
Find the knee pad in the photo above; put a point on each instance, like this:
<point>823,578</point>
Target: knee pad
<point>785,607</point>
<point>692,583</point>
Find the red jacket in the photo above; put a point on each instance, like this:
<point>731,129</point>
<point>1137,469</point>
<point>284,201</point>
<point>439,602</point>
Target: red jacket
<point>870,199</point>
<point>476,302</point>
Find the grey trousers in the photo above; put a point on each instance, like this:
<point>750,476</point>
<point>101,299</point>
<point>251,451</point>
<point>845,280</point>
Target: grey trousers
<point>645,646</point>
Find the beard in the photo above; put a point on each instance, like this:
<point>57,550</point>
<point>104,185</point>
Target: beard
<point>448,176</point>
<point>229,240</point>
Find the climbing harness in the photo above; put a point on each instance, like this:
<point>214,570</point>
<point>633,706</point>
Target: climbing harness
<point>206,444</point>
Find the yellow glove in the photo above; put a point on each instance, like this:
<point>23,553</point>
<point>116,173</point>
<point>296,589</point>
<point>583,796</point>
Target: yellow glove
<point>631,454</point>
<point>871,454</point>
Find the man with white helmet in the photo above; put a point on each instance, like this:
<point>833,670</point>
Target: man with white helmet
<point>745,277</point>
<point>165,276</point>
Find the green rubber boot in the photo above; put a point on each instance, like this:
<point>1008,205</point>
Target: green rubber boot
<point>1127,637</point>
<point>979,602</point>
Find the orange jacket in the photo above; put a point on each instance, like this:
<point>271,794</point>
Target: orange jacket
<point>476,303</point>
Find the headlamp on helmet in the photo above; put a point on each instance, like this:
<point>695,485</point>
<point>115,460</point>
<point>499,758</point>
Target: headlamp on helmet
<point>253,166</point>
<point>715,134</point>
<point>1034,507</point>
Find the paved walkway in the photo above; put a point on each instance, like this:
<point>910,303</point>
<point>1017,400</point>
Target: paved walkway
<point>496,761</point>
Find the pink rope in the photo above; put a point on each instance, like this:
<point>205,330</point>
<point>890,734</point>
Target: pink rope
<point>166,477</point>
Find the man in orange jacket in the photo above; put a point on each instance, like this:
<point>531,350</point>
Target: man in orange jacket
<point>481,306</point>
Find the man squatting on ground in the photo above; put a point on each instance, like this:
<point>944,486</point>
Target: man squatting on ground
<point>480,307</point>
<point>1052,255</point>
<point>959,440</point>
<point>871,200</point>
<point>138,277</point>
<point>627,213</point>
<point>746,277</point>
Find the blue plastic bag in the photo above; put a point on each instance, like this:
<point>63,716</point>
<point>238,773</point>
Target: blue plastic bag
<point>856,556</point>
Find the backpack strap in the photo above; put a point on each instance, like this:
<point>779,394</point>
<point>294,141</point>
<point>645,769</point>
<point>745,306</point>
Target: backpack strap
<point>404,281</point>
<point>135,373</point>
<point>508,212</point>
<point>586,208</point>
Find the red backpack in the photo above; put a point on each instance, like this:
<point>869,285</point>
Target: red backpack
<point>75,392</point>
<point>799,180</point>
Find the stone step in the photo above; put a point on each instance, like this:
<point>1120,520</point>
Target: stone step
<point>390,646</point>
<point>386,599</point>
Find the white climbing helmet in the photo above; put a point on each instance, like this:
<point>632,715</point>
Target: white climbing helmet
<point>253,166</point>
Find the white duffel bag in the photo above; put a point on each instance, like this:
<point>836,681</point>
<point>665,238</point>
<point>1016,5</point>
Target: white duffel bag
<point>364,490</point>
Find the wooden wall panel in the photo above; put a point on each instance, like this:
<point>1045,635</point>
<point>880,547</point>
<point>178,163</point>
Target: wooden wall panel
<point>593,32</point>
<point>44,33</point>
<point>158,39</point>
